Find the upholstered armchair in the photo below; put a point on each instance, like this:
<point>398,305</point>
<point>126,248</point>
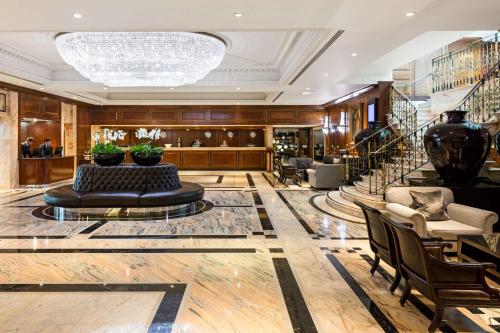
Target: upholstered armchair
<point>301,164</point>
<point>327,176</point>
<point>462,220</point>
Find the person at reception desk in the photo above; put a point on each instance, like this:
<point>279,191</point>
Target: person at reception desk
<point>196,143</point>
<point>26,147</point>
<point>46,148</point>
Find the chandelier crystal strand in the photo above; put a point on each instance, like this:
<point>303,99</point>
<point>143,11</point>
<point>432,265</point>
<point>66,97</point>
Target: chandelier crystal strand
<point>126,59</point>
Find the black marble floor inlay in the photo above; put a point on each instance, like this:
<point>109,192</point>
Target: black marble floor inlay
<point>149,214</point>
<point>165,314</point>
<point>265,221</point>
<point>256,198</point>
<point>250,180</point>
<point>296,306</point>
<point>370,305</point>
<point>276,250</point>
<point>93,227</point>
<point>134,250</point>
<point>296,214</point>
<point>220,179</point>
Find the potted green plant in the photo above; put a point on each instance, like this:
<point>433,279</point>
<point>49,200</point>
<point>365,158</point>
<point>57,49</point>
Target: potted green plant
<point>105,152</point>
<point>147,153</point>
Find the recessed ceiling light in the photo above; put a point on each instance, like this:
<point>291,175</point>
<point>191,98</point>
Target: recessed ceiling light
<point>77,15</point>
<point>410,14</point>
<point>354,54</point>
<point>308,88</point>
<point>326,74</point>
<point>238,88</point>
<point>171,88</point>
<point>306,93</point>
<point>41,88</point>
<point>238,15</point>
<point>105,88</point>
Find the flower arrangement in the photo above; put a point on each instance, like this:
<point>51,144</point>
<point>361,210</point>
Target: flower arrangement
<point>105,141</point>
<point>147,148</point>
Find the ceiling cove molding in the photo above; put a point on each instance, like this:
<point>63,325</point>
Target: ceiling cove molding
<point>19,64</point>
<point>317,55</point>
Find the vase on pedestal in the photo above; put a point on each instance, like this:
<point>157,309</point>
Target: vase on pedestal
<point>457,149</point>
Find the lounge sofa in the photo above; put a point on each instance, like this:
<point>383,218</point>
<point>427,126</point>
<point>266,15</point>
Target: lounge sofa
<point>125,185</point>
<point>463,220</point>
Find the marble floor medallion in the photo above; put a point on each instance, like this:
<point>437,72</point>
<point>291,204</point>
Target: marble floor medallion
<point>160,213</point>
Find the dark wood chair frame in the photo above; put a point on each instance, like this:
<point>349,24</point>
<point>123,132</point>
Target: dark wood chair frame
<point>288,172</point>
<point>433,277</point>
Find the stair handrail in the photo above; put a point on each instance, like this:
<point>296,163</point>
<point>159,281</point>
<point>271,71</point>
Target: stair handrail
<point>459,104</point>
<point>450,70</point>
<point>380,156</point>
<point>407,121</point>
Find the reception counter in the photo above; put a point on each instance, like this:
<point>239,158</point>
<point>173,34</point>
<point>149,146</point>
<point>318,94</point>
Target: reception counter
<point>44,171</point>
<point>216,158</point>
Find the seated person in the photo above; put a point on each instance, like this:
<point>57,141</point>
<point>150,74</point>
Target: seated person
<point>196,143</point>
<point>46,147</point>
<point>26,147</point>
<point>224,144</point>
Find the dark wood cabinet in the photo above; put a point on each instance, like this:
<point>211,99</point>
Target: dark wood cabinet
<point>195,159</point>
<point>224,159</point>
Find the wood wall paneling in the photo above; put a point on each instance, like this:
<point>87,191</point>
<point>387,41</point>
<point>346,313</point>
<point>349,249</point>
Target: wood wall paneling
<point>194,115</point>
<point>224,159</point>
<point>253,116</point>
<point>173,157</point>
<point>195,159</point>
<point>249,160</point>
<point>224,116</point>
<point>105,117</point>
<point>282,116</point>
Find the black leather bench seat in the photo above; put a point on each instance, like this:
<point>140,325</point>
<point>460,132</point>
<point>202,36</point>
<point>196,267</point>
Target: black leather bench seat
<point>125,186</point>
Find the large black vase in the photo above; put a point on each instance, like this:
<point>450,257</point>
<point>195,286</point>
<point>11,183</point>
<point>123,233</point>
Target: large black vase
<point>373,127</point>
<point>457,148</point>
<point>109,159</point>
<point>146,160</point>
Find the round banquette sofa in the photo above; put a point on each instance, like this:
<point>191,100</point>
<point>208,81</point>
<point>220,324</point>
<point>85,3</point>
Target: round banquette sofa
<point>125,185</point>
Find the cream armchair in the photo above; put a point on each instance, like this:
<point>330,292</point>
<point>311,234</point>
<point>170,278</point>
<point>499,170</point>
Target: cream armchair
<point>464,220</point>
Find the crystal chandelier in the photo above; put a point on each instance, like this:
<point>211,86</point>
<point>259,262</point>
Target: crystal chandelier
<point>125,59</point>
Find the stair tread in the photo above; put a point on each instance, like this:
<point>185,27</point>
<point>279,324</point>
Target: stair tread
<point>352,191</point>
<point>335,196</point>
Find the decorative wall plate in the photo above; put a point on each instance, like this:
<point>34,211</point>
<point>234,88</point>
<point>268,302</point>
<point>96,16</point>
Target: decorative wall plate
<point>208,134</point>
<point>230,134</point>
<point>252,134</point>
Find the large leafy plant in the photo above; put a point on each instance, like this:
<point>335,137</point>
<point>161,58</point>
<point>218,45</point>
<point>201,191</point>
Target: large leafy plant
<point>147,148</point>
<point>104,142</point>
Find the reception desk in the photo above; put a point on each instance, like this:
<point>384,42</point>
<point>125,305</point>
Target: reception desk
<point>44,171</point>
<point>216,158</point>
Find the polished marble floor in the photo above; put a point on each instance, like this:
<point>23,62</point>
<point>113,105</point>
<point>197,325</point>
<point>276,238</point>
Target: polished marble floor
<point>254,257</point>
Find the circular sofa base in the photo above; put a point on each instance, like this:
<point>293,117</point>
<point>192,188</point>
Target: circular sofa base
<point>66,197</point>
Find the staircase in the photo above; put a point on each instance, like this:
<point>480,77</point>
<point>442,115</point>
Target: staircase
<point>402,154</point>
<point>406,154</point>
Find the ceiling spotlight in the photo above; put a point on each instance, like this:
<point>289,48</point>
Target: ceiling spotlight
<point>354,54</point>
<point>410,14</point>
<point>171,88</point>
<point>41,88</point>
<point>238,88</point>
<point>308,88</point>
<point>306,93</point>
<point>105,88</point>
<point>326,74</point>
<point>77,15</point>
<point>238,15</point>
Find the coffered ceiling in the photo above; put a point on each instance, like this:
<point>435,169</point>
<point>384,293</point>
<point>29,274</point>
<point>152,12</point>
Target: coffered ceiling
<point>279,52</point>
